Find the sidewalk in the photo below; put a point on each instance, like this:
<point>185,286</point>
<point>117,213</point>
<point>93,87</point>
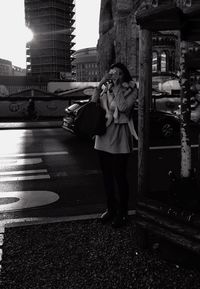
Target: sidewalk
<point>85,255</point>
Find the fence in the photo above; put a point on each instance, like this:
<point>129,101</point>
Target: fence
<point>27,107</point>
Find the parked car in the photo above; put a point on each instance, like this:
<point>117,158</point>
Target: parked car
<point>71,113</point>
<point>162,124</point>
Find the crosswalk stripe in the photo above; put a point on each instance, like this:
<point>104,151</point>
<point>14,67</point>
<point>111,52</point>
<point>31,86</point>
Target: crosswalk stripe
<point>22,172</point>
<point>33,154</point>
<point>24,178</point>
<point>19,162</point>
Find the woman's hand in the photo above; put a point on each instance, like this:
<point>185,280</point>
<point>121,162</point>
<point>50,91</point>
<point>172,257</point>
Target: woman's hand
<point>104,79</point>
<point>98,90</point>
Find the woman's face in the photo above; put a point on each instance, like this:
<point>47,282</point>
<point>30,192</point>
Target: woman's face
<point>116,75</point>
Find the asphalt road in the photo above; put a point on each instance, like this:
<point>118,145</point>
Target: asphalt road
<point>48,173</point>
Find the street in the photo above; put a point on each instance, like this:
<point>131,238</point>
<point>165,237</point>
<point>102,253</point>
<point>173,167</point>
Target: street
<point>48,172</point>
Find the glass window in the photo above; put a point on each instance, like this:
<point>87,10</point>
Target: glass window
<point>155,62</point>
<point>163,61</point>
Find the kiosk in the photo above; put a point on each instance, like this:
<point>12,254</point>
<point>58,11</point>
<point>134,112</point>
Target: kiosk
<point>171,217</point>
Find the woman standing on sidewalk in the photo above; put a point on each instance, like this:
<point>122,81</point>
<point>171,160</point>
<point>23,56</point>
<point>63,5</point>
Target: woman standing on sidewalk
<point>117,94</point>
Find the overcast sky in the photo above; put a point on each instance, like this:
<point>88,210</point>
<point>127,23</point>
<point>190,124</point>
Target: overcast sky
<point>13,35</point>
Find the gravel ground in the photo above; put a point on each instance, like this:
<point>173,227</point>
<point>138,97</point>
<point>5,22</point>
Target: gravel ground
<point>85,255</point>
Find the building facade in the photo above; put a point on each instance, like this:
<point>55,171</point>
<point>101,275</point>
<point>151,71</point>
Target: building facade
<point>5,67</point>
<point>165,56</point>
<point>119,41</point>
<point>85,64</point>
<point>18,71</point>
<point>49,54</point>
<point>8,69</point>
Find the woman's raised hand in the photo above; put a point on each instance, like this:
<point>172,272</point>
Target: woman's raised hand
<point>105,78</point>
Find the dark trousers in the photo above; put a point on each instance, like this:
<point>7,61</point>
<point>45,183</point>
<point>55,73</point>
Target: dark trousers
<point>114,169</point>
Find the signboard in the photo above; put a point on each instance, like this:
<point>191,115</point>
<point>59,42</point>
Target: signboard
<point>65,75</point>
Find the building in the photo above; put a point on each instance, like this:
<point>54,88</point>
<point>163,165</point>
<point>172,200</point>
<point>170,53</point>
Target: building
<point>165,56</point>
<point>49,54</point>
<point>5,67</point>
<point>85,64</point>
<point>119,42</point>
<point>18,71</point>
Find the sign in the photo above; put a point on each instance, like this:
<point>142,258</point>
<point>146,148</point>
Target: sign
<point>65,75</point>
<point>14,107</point>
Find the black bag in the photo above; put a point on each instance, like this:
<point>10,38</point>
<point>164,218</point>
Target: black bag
<point>90,120</point>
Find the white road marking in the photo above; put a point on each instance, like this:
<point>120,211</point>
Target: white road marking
<point>27,199</point>
<point>22,172</point>
<point>20,162</point>
<point>24,178</point>
<point>33,154</point>
<point>75,173</point>
<point>167,147</point>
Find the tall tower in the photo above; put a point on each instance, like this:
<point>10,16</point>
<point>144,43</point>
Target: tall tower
<point>49,54</point>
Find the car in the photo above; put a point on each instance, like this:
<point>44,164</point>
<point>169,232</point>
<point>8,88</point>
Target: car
<point>71,113</point>
<point>163,124</point>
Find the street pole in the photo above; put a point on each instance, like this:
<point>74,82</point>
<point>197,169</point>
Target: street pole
<point>145,91</point>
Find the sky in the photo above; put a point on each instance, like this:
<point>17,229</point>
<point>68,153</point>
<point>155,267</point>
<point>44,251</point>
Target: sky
<point>13,35</point>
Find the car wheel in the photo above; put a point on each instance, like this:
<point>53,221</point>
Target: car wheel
<point>167,130</point>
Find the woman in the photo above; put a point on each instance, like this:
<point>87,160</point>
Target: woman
<point>117,94</point>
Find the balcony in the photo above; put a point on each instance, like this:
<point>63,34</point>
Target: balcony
<point>51,22</point>
<point>55,63</point>
<point>47,69</point>
<point>72,44</point>
<point>54,37</point>
<point>49,28</point>
<point>50,17</point>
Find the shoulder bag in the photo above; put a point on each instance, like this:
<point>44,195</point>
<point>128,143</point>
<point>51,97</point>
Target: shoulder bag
<point>90,120</point>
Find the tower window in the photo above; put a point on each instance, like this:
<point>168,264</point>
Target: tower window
<point>154,62</point>
<point>163,61</point>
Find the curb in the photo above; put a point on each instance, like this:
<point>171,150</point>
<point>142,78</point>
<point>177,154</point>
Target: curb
<point>10,223</point>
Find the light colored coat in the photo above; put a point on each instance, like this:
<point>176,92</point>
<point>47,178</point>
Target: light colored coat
<point>118,102</point>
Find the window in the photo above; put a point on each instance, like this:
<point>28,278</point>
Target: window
<point>163,61</point>
<point>155,62</point>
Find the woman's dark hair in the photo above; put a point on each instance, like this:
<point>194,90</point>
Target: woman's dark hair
<point>127,77</point>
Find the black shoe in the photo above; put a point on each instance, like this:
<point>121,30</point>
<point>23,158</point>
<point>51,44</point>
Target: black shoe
<point>106,217</point>
<point>119,221</point>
